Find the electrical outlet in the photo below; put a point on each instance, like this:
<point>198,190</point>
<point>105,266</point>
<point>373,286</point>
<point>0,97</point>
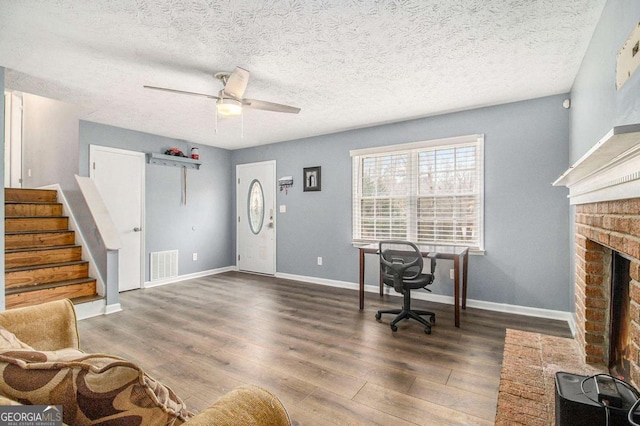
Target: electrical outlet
<point>194,256</point>
<point>319,261</point>
<point>452,273</point>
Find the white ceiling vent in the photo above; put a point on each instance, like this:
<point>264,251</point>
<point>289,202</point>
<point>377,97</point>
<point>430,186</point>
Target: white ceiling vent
<point>164,264</point>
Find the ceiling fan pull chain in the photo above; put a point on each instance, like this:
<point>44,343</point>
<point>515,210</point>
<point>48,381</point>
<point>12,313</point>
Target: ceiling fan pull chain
<point>241,124</point>
<point>216,119</point>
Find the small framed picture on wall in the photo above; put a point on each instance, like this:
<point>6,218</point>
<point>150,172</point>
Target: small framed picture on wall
<point>312,178</point>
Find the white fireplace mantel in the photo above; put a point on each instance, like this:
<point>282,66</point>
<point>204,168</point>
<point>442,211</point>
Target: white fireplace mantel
<point>610,170</point>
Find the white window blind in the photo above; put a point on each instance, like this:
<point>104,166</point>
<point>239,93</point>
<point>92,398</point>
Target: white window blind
<point>429,192</point>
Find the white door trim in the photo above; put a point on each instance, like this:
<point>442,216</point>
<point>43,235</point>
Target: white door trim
<point>143,157</point>
<point>275,221</point>
<point>13,123</point>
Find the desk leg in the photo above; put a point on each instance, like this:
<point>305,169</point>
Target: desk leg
<point>381,285</point>
<point>361,279</point>
<point>456,289</point>
<point>465,262</point>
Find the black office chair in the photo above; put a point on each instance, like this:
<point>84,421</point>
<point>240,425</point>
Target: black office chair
<point>401,268</point>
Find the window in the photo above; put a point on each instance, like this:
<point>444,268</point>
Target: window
<point>428,192</point>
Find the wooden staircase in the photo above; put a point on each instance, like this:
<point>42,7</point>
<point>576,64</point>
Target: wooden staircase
<point>42,262</point>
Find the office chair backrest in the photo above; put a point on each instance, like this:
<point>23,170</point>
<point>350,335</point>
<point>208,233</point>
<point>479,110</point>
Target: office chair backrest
<point>399,260</point>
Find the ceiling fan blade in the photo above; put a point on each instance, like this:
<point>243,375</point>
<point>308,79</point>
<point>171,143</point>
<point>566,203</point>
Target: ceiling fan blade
<point>182,92</point>
<point>237,83</point>
<point>269,106</point>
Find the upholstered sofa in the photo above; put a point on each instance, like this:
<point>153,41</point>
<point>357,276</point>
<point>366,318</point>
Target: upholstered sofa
<point>41,364</point>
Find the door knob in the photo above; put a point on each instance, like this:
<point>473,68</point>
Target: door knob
<point>136,229</point>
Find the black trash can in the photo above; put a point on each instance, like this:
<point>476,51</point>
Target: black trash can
<point>575,408</point>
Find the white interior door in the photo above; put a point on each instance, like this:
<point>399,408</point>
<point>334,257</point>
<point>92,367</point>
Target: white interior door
<point>119,177</point>
<point>256,232</point>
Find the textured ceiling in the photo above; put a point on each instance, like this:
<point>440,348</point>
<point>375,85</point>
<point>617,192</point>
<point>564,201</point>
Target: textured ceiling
<point>346,63</point>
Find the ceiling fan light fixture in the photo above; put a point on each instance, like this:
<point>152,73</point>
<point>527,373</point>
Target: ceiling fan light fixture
<point>229,107</point>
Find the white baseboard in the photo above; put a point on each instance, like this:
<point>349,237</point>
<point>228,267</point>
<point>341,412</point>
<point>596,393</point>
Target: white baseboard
<point>96,308</point>
<point>156,283</point>
<point>480,304</point>
<point>90,309</point>
<point>322,281</point>
<point>112,309</point>
<point>573,324</point>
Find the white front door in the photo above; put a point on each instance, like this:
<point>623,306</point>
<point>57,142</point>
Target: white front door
<point>119,177</point>
<point>256,232</point>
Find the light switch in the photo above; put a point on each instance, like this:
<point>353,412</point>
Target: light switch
<point>283,208</point>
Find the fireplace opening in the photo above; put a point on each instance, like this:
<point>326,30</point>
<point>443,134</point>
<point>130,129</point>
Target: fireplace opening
<point>620,323</point>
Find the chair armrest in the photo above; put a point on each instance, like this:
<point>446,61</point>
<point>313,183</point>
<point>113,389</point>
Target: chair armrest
<point>46,327</point>
<point>245,405</point>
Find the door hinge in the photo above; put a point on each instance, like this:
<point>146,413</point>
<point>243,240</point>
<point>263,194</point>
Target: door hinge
<point>94,165</point>
<point>238,219</point>
<point>238,258</point>
<point>238,181</point>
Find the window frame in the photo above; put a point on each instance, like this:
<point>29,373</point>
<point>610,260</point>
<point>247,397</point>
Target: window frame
<point>413,197</point>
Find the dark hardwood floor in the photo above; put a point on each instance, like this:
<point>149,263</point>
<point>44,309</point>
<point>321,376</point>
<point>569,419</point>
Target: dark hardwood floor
<point>329,362</point>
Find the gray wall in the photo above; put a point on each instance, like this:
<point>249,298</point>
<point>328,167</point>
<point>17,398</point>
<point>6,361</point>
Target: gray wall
<point>168,223</point>
<point>596,105</point>
<point>2,174</point>
<point>50,143</point>
<point>526,232</point>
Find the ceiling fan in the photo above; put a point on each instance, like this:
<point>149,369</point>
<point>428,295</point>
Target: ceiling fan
<point>229,100</point>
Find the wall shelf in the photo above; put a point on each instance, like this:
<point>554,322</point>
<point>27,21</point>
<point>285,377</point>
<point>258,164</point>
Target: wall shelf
<point>173,161</point>
<point>610,170</point>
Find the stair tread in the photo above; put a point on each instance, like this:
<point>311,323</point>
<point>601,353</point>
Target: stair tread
<point>30,195</point>
<point>20,250</point>
<point>52,203</point>
<point>50,265</point>
<point>46,231</point>
<point>35,287</point>
<point>85,299</point>
<point>36,217</point>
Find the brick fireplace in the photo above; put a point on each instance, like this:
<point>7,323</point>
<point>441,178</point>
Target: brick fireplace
<point>604,187</point>
<point>601,229</point>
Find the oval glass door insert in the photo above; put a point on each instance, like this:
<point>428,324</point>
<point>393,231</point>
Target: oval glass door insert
<point>255,206</point>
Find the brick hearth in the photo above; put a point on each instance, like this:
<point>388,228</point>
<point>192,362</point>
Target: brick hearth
<point>527,380</point>
<point>601,227</point>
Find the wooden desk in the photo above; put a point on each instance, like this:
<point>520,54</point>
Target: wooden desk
<point>460,257</point>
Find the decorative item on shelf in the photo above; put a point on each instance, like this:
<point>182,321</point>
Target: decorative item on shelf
<point>312,178</point>
<point>174,152</point>
<point>195,154</point>
<point>285,183</point>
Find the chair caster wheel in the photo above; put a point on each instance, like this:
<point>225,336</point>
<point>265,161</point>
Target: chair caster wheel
<point>432,319</point>
<point>378,316</point>
<point>394,328</point>
<point>427,330</point>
